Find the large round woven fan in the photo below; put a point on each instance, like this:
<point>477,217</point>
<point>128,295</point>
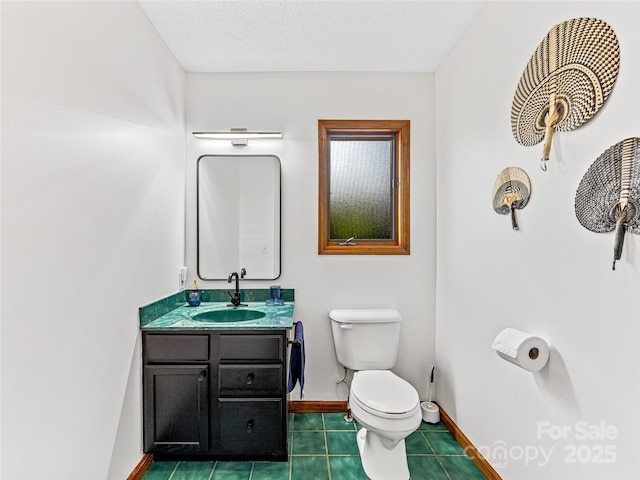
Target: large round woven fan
<point>608,196</point>
<point>566,81</point>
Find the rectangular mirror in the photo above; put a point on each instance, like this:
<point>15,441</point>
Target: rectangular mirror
<point>238,216</point>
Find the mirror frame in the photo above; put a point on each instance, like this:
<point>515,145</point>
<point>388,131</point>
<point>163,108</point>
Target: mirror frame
<point>279,229</point>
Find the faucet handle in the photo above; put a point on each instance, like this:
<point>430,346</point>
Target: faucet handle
<point>243,272</point>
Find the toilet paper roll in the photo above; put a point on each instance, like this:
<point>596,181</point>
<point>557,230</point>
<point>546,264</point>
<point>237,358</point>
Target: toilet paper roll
<point>524,350</point>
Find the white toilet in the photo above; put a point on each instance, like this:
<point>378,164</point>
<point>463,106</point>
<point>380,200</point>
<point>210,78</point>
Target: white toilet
<point>385,405</point>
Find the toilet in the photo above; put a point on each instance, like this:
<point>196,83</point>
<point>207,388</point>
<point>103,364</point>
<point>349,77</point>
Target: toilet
<point>384,405</point>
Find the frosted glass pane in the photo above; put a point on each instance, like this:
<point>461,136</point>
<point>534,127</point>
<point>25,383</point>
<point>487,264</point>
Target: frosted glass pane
<point>360,201</point>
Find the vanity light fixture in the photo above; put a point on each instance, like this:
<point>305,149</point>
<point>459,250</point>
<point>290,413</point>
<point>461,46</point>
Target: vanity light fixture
<point>238,136</point>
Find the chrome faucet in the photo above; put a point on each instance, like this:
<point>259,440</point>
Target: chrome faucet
<point>235,297</point>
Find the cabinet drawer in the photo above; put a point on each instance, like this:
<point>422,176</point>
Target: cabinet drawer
<point>254,380</point>
<point>176,348</point>
<point>252,426</point>
<point>251,347</point>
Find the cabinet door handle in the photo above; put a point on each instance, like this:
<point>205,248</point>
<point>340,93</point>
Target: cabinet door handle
<point>202,375</point>
<point>250,379</point>
<point>249,426</point>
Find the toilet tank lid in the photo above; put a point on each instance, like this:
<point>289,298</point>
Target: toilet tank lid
<point>365,315</point>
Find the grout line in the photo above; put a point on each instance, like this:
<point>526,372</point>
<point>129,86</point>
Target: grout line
<point>174,471</point>
<point>326,448</point>
<point>426,440</point>
<point>290,468</point>
<point>443,469</point>
<point>215,464</point>
<point>436,455</point>
<point>452,455</point>
<point>290,452</point>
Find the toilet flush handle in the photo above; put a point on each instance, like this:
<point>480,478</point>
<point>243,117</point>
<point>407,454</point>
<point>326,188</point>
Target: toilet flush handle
<point>346,326</point>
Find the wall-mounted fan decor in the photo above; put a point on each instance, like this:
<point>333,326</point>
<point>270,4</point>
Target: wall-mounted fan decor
<point>567,80</point>
<point>511,191</point>
<point>608,196</point>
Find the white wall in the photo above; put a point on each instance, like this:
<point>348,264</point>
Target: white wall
<point>92,228</point>
<point>552,278</point>
<point>294,103</point>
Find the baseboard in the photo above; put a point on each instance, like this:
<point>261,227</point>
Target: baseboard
<point>471,451</point>
<point>141,468</point>
<point>312,406</point>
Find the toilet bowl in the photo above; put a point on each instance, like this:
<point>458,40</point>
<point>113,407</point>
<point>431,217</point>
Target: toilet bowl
<point>388,410</point>
<point>384,405</point>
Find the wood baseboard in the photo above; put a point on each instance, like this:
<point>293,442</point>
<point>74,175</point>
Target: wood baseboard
<point>472,452</point>
<point>311,406</point>
<point>141,468</point>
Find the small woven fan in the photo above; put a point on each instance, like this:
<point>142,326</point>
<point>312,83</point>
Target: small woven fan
<point>608,196</point>
<point>567,80</point>
<point>511,191</point>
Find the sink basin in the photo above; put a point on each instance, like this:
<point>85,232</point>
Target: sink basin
<point>230,315</point>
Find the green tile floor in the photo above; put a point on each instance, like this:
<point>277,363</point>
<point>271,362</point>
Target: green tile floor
<point>323,446</point>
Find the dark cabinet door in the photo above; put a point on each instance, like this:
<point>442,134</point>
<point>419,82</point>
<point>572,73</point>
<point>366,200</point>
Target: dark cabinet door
<point>176,408</point>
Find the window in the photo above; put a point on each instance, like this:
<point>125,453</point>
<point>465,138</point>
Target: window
<point>363,187</point>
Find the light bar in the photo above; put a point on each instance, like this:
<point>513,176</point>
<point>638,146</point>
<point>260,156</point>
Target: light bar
<point>238,136</point>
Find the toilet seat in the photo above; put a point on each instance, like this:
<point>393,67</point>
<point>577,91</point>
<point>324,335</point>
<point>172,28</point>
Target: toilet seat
<point>382,393</point>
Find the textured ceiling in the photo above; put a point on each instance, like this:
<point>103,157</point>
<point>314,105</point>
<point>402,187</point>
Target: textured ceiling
<point>311,35</point>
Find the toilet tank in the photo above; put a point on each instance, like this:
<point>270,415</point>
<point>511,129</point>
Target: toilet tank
<point>366,338</point>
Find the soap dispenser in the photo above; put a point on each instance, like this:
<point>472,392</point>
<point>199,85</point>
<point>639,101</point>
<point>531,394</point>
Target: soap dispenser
<point>194,296</point>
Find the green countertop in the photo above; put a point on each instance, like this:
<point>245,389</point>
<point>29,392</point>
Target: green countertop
<point>181,318</point>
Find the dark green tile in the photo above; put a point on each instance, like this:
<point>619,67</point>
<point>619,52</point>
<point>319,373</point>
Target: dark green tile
<point>433,427</point>
<point>425,467</point>
<point>416,444</point>
<point>309,443</point>
<point>232,471</point>
<point>160,471</point>
<point>443,442</point>
<point>311,467</point>
<point>336,421</point>
<point>342,443</point>
<point>193,471</point>
<point>270,471</point>
<point>290,421</point>
<point>346,468</point>
<point>307,421</point>
<point>460,468</point>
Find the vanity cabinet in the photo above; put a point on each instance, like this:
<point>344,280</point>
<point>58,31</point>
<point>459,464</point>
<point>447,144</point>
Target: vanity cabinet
<point>215,394</point>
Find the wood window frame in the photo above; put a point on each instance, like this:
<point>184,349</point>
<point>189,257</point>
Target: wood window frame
<point>400,244</point>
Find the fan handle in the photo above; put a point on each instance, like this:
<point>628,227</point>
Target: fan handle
<point>550,122</point>
<point>621,229</point>
<point>514,223</point>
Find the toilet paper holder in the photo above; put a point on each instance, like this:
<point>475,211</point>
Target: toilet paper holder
<point>526,351</point>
